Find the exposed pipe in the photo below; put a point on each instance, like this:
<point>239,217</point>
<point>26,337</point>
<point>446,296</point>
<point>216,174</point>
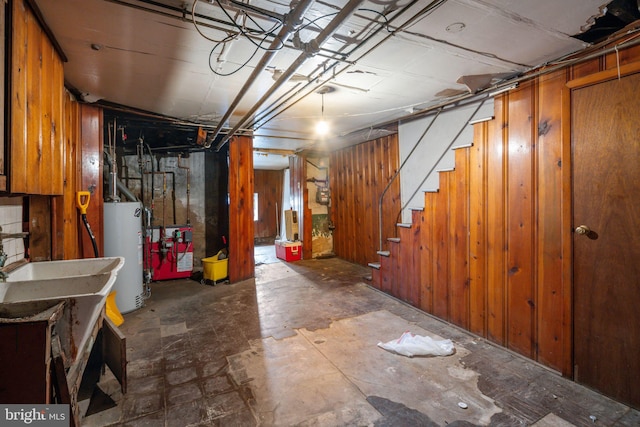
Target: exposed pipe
<point>326,68</point>
<point>292,22</point>
<point>120,186</point>
<point>188,169</point>
<point>310,48</point>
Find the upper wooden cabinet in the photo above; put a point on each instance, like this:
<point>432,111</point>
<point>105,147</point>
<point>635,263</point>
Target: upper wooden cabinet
<point>36,110</point>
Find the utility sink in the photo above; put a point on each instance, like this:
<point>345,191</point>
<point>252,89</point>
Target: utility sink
<point>83,285</point>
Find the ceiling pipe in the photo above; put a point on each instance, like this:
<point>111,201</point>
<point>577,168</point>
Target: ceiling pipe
<point>276,110</point>
<point>292,22</point>
<point>310,49</point>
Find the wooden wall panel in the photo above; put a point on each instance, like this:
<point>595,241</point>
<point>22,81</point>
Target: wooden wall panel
<point>549,162</point>
<point>359,174</point>
<point>90,178</point>
<point>39,226</point>
<point>477,231</point>
<point>300,201</point>
<point>415,256</point>
<point>520,222</point>
<point>34,106</point>
<point>241,188</point>
<point>405,273</point>
<point>427,243</point>
<point>496,238</point>
<point>511,192</point>
<point>65,221</point>
<point>17,141</point>
<point>396,267</point>
<point>36,110</point>
<point>458,241</point>
<point>268,184</point>
<point>441,276</point>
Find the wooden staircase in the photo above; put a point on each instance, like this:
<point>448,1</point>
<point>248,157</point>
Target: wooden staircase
<point>426,264</point>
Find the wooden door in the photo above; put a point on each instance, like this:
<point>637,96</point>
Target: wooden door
<point>606,199</point>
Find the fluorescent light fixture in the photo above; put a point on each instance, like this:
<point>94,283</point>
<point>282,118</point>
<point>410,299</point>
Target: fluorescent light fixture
<point>503,89</point>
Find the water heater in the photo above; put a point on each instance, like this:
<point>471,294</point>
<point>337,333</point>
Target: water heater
<point>123,237</point>
<point>291,225</point>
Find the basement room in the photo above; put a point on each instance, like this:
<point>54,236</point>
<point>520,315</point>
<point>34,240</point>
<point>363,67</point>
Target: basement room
<point>320,213</point>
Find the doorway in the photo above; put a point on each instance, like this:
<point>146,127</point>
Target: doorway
<point>606,250</point>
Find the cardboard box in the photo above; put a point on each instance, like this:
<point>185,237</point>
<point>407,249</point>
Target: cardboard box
<point>289,251</point>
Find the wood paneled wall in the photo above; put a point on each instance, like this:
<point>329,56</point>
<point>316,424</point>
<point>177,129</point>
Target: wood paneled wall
<point>358,175</point>
<point>495,241</point>
<point>65,224</point>
<point>91,175</point>
<point>241,188</point>
<point>300,202</point>
<point>36,111</point>
<point>268,185</point>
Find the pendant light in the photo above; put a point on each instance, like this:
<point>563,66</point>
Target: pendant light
<point>322,127</point>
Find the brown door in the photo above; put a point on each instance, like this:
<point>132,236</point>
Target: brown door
<point>606,220</point>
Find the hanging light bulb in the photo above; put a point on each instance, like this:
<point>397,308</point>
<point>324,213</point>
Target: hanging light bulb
<point>322,127</point>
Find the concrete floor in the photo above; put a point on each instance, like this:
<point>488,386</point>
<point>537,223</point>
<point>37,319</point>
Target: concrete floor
<point>299,347</point>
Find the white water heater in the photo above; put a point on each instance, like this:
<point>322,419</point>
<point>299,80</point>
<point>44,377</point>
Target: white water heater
<point>123,237</point>
<point>291,225</point>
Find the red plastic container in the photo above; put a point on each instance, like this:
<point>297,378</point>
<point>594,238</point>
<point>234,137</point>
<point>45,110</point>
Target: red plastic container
<point>289,251</point>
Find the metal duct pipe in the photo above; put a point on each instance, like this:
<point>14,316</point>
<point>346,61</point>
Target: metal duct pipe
<point>120,186</point>
<point>188,169</point>
<point>292,22</point>
<point>310,48</point>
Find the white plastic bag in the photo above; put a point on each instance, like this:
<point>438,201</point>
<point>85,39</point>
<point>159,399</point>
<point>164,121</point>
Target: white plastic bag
<point>416,345</point>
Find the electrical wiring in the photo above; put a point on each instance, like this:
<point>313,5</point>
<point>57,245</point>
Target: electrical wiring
<point>242,29</point>
<point>218,73</point>
<point>195,24</point>
<point>252,34</point>
<point>248,34</point>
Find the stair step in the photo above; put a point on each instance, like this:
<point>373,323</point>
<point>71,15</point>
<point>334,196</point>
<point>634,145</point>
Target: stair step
<point>431,190</point>
<point>384,253</point>
<point>457,147</point>
<point>393,239</point>
<point>416,209</point>
<point>375,265</point>
<point>403,225</point>
<point>483,119</point>
<point>446,170</point>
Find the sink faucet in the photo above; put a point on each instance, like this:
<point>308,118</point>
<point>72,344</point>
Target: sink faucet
<point>3,254</point>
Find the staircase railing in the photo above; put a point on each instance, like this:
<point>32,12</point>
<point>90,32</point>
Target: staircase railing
<point>395,175</point>
<point>435,165</point>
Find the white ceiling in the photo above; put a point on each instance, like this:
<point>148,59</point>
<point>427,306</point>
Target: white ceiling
<point>152,57</point>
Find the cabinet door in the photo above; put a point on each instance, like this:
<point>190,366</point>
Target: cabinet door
<point>35,98</point>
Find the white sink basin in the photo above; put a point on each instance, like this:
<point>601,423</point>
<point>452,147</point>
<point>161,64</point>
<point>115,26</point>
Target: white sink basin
<point>83,284</point>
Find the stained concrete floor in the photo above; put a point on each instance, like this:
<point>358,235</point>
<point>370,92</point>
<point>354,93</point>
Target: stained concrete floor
<point>299,347</point>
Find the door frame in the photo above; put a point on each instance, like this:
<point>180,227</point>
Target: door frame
<point>567,211</point>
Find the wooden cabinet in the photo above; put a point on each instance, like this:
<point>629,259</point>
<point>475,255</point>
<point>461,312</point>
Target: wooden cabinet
<point>26,356</point>
<point>35,364</point>
<point>36,109</point>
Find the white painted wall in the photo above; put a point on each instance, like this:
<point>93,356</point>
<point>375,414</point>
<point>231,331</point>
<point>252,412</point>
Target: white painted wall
<point>434,144</point>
